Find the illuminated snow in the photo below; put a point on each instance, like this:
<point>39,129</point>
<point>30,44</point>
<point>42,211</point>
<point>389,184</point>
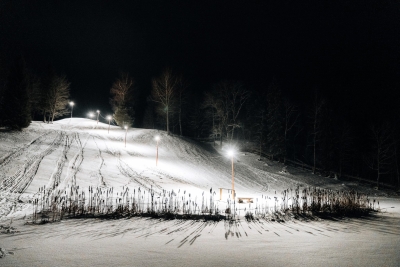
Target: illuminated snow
<point>95,158</point>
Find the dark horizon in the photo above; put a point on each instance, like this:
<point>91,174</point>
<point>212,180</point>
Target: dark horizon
<point>343,48</point>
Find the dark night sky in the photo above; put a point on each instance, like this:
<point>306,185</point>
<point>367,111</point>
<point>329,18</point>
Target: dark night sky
<point>346,48</point>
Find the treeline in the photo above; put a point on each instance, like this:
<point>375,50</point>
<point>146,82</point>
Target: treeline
<point>317,132</point>
<point>23,95</point>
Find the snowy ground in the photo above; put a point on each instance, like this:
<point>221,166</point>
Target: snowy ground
<point>82,152</point>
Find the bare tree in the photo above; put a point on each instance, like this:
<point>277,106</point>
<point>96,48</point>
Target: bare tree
<point>235,96</point>
<point>292,115</point>
<point>57,97</point>
<point>316,120</point>
<point>209,105</point>
<point>381,154</point>
<point>396,162</point>
<point>261,129</point>
<point>197,118</point>
<point>225,104</point>
<point>343,146</point>
<point>275,122</point>
<point>217,110</point>
<point>121,101</point>
<point>121,90</point>
<point>182,100</point>
<point>164,93</point>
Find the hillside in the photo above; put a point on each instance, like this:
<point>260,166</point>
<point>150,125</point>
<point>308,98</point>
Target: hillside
<point>80,152</point>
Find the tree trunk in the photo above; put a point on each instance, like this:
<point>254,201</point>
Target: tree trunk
<point>213,128</point>
<point>180,121</point>
<point>314,167</point>
<point>397,167</point>
<point>260,145</point>
<point>286,146</point>
<point>167,121</point>
<point>379,174</point>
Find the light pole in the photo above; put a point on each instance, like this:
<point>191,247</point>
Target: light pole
<point>98,113</point>
<point>126,131</point>
<point>157,139</point>
<point>72,107</point>
<point>231,153</point>
<point>109,121</point>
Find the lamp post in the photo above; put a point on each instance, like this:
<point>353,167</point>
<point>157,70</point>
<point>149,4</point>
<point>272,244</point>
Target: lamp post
<point>109,121</point>
<point>231,153</point>
<point>98,113</point>
<point>126,131</point>
<point>72,107</point>
<point>157,139</point>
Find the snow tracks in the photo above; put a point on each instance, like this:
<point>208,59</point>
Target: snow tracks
<point>20,180</point>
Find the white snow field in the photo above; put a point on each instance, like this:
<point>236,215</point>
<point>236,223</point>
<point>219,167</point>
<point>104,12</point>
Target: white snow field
<point>82,153</point>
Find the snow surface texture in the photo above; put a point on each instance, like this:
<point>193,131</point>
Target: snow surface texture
<point>82,153</point>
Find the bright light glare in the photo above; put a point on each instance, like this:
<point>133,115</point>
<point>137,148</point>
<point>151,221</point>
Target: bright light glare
<point>231,153</point>
<point>71,103</point>
<point>126,127</point>
<point>157,138</point>
<point>98,111</point>
<point>109,117</point>
<point>91,114</point>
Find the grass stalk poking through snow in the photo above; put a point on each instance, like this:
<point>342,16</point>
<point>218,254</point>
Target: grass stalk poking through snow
<point>54,205</point>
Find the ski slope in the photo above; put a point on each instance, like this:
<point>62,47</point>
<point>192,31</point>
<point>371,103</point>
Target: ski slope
<point>81,152</point>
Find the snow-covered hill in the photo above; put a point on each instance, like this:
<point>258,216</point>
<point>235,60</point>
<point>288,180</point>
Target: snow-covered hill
<point>82,152</point>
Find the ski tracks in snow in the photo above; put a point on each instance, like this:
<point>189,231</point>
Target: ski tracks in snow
<point>21,179</point>
<point>55,178</point>
<point>6,159</point>
<point>74,164</point>
<point>100,177</point>
<point>135,177</point>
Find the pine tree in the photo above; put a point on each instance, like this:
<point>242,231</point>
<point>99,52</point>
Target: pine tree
<point>122,117</point>
<point>16,108</point>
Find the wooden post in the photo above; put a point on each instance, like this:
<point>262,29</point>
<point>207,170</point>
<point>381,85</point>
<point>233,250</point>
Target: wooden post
<point>220,194</point>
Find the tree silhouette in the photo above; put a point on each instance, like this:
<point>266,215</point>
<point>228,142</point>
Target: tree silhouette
<point>164,94</point>
<point>122,100</point>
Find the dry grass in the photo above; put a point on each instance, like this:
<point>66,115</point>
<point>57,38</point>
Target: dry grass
<point>52,205</point>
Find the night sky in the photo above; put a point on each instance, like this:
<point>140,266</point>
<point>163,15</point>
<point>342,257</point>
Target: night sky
<point>348,49</point>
